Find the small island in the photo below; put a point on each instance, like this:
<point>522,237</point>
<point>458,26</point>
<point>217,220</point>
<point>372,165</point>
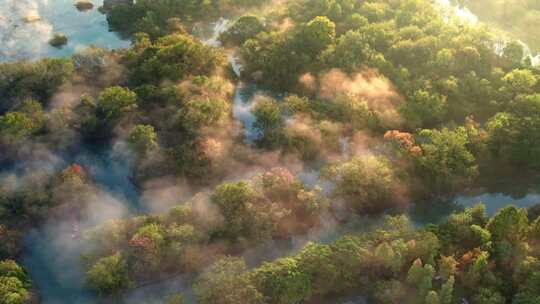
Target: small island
<point>58,40</point>
<point>31,18</point>
<point>84,5</point>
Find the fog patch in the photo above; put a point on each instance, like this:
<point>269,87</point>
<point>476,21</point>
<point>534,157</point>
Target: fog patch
<point>52,253</point>
<point>378,92</point>
<point>161,194</point>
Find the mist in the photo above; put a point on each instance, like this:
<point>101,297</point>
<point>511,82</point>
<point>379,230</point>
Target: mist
<point>94,183</point>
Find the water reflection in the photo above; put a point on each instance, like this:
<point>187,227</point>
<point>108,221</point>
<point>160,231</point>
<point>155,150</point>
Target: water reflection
<point>27,25</point>
<point>496,201</point>
<point>242,109</point>
<point>52,259</point>
<point>435,211</point>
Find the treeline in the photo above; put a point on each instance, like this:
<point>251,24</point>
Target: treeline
<point>157,18</point>
<point>467,258</point>
<point>14,283</point>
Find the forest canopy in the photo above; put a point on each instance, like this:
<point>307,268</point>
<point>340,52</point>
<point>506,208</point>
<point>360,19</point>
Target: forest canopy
<point>298,151</point>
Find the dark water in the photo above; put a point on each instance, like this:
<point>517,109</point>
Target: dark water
<point>496,201</point>
<point>111,170</point>
<point>51,253</point>
<point>242,106</point>
<point>435,211</point>
<point>20,39</point>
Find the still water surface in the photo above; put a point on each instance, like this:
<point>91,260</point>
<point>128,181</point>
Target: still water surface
<point>27,25</point>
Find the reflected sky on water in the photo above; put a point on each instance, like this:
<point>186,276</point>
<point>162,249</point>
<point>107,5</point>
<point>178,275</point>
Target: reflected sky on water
<point>27,25</point>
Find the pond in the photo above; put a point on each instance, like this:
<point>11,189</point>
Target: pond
<point>26,26</point>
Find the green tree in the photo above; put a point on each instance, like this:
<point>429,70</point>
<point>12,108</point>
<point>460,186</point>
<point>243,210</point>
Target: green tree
<point>109,275</point>
<point>513,134</point>
<point>316,261</point>
<point>34,110</point>
<point>12,291</point>
<point>204,112</point>
<point>149,242</point>
<point>234,201</point>
<point>318,34</point>
<point>421,277</point>
<point>115,101</point>
<point>16,125</point>
<point>447,267</point>
<point>424,108</point>
<point>457,233</point>
<point>510,224</point>
<point>488,296</point>
<point>173,58</point>
<point>268,121</point>
<point>353,110</point>
<point>367,183</point>
<point>143,140</point>
<point>518,82</point>
<point>478,273</point>
<point>10,268</point>
<point>446,161</point>
<point>388,257</point>
<point>14,283</point>
<point>535,229</point>
<point>282,281</point>
<point>529,292</point>
<point>36,80</point>
<point>351,52</point>
<point>244,28</point>
<point>432,298</point>
<point>447,291</point>
<point>514,53</point>
<point>226,282</point>
<point>393,291</point>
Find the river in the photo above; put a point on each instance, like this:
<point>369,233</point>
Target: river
<point>51,255</point>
